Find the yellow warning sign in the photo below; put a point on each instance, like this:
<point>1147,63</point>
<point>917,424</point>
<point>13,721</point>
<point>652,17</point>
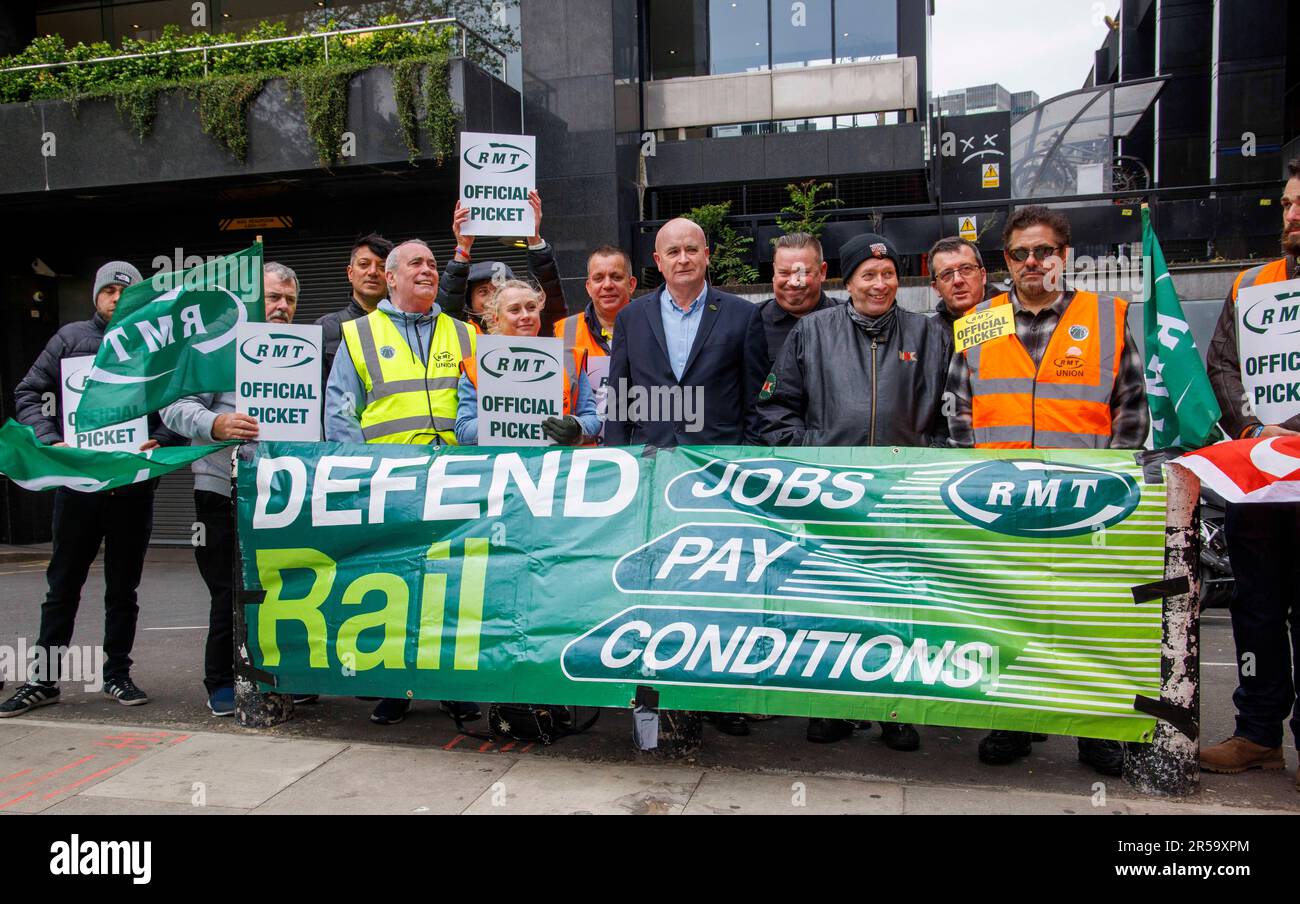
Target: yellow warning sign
<point>981,326</point>
<point>966,228</point>
<point>237,224</point>
<point>992,175</point>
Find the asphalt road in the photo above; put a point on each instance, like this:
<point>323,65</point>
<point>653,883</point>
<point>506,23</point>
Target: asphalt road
<point>168,665</point>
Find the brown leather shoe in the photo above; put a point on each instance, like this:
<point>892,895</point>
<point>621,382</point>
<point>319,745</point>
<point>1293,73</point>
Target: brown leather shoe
<point>1238,754</point>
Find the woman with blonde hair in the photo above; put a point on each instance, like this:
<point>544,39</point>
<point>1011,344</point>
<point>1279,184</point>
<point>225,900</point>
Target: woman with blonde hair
<point>515,310</point>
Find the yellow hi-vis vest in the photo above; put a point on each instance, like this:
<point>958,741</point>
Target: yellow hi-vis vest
<point>407,402</point>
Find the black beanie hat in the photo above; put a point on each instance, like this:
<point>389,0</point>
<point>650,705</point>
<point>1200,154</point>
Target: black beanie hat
<point>861,248</point>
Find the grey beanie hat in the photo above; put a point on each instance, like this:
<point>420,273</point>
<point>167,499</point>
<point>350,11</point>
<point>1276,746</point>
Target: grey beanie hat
<point>114,273</point>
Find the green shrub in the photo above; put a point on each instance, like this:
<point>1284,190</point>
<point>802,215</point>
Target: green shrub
<point>226,85</point>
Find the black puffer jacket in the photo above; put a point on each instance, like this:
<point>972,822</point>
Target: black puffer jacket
<point>843,380</point>
<point>73,340</point>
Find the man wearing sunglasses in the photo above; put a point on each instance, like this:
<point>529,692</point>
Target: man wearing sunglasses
<point>1068,377</point>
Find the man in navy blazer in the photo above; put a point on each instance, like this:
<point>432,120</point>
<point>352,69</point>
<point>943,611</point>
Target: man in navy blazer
<point>688,361</point>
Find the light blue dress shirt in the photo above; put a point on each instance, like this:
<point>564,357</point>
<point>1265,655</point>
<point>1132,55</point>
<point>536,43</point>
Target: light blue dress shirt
<point>680,327</point>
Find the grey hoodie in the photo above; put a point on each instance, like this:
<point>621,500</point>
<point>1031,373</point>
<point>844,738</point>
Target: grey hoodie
<point>192,417</point>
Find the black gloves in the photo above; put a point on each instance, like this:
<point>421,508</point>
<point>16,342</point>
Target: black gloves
<point>564,430</point>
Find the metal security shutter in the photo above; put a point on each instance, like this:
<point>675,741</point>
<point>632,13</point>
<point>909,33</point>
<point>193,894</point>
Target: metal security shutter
<point>320,263</point>
<point>173,509</point>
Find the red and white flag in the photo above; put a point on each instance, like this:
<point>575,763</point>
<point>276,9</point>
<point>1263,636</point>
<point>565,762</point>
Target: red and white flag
<point>1249,470</point>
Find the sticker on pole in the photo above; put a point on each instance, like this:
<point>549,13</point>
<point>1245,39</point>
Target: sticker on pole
<point>496,174</point>
<point>127,436</point>
<point>1268,323</point>
<point>992,176</point>
<point>520,384</point>
<point>278,380</point>
<point>979,327</point>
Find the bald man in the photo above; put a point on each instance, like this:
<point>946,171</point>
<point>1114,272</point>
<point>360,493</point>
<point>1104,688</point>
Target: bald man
<point>688,361</point>
<point>686,367</point>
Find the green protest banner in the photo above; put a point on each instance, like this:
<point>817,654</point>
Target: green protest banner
<point>35,466</point>
<point>171,336</point>
<point>949,587</point>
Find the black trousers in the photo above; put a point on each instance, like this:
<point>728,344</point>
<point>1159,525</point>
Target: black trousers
<point>1262,544</point>
<point>216,558</point>
<point>122,520</point>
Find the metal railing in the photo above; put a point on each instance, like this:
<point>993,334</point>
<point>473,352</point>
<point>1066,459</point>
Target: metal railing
<point>324,36</point>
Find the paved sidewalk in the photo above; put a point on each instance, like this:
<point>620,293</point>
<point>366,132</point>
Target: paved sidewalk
<point>86,768</point>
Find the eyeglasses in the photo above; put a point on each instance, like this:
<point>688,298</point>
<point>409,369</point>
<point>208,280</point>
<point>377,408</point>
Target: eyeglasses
<point>1041,252</point>
<point>966,270</point>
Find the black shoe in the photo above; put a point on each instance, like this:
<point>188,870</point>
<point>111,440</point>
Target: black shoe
<point>1002,747</point>
<point>465,712</point>
<point>28,697</point>
<point>1105,757</point>
<point>304,699</point>
<point>124,691</point>
<point>390,712</point>
<point>732,724</point>
<point>899,736</point>
<point>1038,738</point>
<point>828,731</point>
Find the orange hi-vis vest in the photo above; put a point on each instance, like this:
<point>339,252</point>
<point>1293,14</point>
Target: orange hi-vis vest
<point>1064,403</point>
<point>469,366</point>
<point>1272,272</point>
<point>579,344</point>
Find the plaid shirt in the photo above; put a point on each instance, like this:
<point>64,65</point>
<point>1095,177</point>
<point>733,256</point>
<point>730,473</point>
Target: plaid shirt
<point>1130,419</point>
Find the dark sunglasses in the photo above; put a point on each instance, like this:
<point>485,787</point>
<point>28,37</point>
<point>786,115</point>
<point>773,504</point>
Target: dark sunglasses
<point>1041,252</point>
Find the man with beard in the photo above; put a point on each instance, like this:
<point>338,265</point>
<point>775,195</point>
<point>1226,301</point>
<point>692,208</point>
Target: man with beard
<point>1261,540</point>
<point>1068,377</point>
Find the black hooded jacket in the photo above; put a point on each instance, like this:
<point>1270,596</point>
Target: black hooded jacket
<point>73,340</point>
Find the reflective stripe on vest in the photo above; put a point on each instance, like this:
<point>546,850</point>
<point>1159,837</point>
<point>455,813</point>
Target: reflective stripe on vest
<point>579,343</point>
<point>1272,272</point>
<point>469,366</point>
<point>1064,402</point>
<point>408,402</point>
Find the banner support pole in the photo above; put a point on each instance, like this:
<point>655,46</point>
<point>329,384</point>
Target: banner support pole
<point>253,709</point>
<point>1170,764</point>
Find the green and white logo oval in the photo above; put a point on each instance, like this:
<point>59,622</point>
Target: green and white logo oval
<point>1038,499</point>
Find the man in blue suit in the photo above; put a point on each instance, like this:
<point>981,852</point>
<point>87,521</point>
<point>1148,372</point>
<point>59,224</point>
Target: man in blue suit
<point>688,361</point>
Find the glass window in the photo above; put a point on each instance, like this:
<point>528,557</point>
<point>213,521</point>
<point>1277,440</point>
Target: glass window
<point>865,30</point>
<point>240,16</point>
<point>801,33</point>
<point>145,21</point>
<point>737,36</point>
<point>678,33</point>
<point>82,26</point>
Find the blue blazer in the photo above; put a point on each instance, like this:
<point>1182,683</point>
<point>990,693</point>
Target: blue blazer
<point>724,372</point>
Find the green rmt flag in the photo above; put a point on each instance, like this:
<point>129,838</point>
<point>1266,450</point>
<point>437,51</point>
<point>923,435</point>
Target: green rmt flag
<point>1184,413</point>
<point>35,466</point>
<point>173,335</point>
